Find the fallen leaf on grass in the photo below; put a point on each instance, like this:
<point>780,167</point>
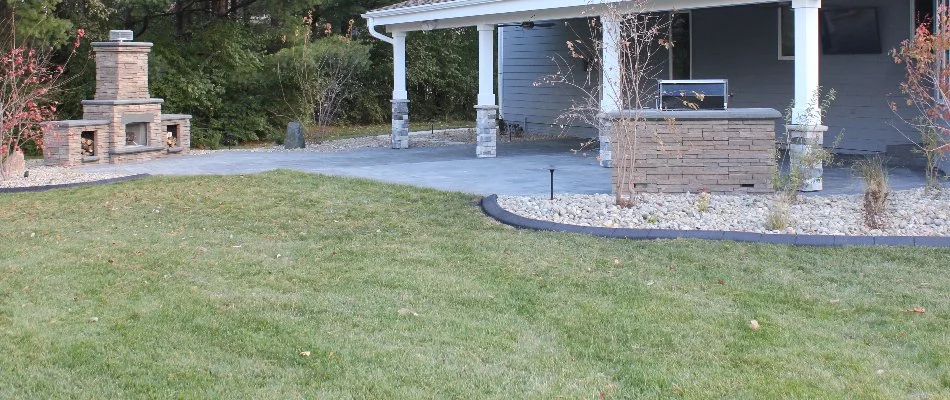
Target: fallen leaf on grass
<point>406,311</point>
<point>917,309</point>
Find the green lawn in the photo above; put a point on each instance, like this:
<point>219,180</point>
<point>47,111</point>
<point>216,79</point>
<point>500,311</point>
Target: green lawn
<point>201,287</point>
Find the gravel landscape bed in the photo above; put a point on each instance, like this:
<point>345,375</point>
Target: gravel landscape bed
<point>42,175</point>
<point>909,213</point>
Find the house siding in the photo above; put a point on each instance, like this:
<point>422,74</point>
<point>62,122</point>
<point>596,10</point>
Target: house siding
<point>745,51</point>
<point>528,57</point>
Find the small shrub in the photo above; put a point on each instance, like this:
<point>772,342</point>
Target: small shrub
<point>931,139</point>
<point>876,189</point>
<point>777,218</point>
<point>202,138</point>
<point>702,202</point>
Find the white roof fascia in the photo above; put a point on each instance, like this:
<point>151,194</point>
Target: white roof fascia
<point>459,13</point>
<point>425,7</point>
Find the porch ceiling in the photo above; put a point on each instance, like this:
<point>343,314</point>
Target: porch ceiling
<point>414,15</point>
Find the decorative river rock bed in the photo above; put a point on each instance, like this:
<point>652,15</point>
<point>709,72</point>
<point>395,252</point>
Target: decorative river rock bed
<point>909,213</point>
<point>42,175</point>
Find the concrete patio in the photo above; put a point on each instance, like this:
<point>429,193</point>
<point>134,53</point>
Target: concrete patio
<point>521,168</point>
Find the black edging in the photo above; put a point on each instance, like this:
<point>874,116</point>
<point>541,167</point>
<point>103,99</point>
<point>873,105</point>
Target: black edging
<point>490,206</point>
<point>26,189</point>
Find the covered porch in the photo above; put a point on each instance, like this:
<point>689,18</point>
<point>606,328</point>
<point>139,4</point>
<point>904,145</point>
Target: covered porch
<point>415,15</point>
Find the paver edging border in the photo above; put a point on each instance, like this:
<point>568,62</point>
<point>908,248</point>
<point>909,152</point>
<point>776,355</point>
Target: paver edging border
<point>491,208</point>
<point>28,189</point>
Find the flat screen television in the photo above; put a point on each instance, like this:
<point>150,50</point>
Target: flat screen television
<point>850,31</point>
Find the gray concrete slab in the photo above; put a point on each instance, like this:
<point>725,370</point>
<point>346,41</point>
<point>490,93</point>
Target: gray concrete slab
<point>521,168</point>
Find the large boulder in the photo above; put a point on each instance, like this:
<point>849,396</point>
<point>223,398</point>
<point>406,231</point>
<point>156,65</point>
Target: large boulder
<point>13,165</point>
<point>294,138</point>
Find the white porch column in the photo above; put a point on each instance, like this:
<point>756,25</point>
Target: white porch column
<point>611,99</point>
<point>400,102</point>
<point>486,65</point>
<point>806,134</point>
<point>399,66</point>
<point>486,122</point>
<point>806,62</point>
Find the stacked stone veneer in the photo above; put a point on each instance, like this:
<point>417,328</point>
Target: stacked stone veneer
<point>400,133</point>
<point>121,98</point>
<point>691,151</point>
<point>486,131</point>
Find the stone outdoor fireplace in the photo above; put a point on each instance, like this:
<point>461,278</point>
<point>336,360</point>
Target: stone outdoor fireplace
<point>122,122</point>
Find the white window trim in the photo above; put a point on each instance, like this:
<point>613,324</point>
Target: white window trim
<point>778,39</point>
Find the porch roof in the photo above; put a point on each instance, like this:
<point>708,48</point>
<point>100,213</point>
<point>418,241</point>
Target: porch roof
<point>413,15</point>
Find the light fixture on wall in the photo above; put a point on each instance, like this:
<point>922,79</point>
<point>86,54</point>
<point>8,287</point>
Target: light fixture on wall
<point>529,24</point>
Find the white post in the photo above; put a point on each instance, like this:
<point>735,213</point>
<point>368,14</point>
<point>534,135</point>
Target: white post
<point>400,102</point>
<point>486,65</point>
<point>611,98</point>
<point>399,66</point>
<point>486,122</point>
<point>806,62</point>
<point>806,133</point>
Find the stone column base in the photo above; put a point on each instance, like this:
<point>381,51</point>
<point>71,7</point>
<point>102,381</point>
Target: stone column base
<point>400,133</point>
<point>804,142</point>
<point>606,146</point>
<point>486,131</point>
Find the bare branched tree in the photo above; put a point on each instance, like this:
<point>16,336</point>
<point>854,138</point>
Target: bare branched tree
<point>623,52</point>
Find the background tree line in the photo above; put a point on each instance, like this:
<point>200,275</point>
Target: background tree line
<point>225,61</point>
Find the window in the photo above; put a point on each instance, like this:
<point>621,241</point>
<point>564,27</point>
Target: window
<point>136,134</point>
<point>923,13</point>
<point>786,33</point>
<point>680,53</point>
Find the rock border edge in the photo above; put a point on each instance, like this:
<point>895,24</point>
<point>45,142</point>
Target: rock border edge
<point>491,208</point>
<point>28,189</point>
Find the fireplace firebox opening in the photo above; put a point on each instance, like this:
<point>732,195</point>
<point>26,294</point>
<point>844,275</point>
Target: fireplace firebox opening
<point>136,134</point>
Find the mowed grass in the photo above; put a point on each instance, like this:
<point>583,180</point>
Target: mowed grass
<point>213,286</point>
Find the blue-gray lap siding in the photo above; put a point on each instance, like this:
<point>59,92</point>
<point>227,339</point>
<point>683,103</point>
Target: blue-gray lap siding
<point>740,44</point>
<point>528,57</point>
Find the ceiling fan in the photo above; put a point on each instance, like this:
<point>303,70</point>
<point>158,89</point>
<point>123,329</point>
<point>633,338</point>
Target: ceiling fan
<point>529,24</point>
